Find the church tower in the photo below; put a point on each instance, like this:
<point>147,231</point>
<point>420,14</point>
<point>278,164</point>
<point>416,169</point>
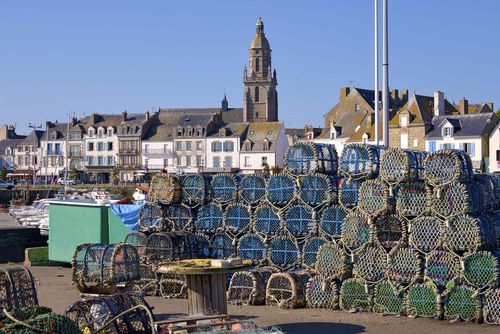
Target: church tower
<point>260,99</point>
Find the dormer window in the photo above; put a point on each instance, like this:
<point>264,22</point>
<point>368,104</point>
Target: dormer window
<point>265,145</point>
<point>248,146</point>
<point>53,136</point>
<point>447,131</point>
<point>91,132</point>
<point>179,132</point>
<point>356,107</point>
<point>404,121</point>
<point>100,132</point>
<point>110,132</point>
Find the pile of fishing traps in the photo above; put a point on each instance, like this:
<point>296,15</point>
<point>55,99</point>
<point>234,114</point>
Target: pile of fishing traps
<point>393,231</point>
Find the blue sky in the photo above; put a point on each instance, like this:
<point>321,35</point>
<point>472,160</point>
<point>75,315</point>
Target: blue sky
<point>90,56</point>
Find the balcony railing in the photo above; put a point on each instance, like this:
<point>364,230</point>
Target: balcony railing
<point>54,154</point>
<point>97,164</point>
<point>160,152</point>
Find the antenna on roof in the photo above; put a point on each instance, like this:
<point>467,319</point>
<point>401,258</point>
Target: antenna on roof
<point>351,83</point>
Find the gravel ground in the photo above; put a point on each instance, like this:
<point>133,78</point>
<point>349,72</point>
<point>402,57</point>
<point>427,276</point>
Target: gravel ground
<point>55,290</point>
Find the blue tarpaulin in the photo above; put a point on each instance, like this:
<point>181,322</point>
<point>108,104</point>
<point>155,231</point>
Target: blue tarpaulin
<point>128,214</point>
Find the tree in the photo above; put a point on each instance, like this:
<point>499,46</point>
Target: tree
<point>265,168</point>
<point>73,174</point>
<point>115,175</point>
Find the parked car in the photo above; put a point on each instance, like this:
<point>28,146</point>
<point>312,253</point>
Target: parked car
<point>6,185</point>
<point>62,181</point>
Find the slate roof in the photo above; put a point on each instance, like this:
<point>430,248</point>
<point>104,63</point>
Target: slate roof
<point>31,137</point>
<point>231,130</point>
<point>258,132</point>
<point>59,128</point>
<point>469,125</point>
<point>4,144</point>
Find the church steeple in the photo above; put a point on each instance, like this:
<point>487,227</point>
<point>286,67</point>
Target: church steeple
<point>224,103</point>
<point>260,101</point>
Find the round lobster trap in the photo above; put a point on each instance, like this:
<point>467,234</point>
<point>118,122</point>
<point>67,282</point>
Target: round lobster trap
<point>252,247</point>
<point>280,189</point>
<point>315,190</point>
<point>307,157</point>
<point>412,199</point>
<point>151,218</point>
<point>179,216</point>
<point>426,233</point>
<point>489,185</point>
<point>322,293</point>
<point>248,287</point>
<point>349,193</point>
<point>480,269</point>
<point>491,307</point>
<point>446,166</point>
<point>266,221</point>
<point>370,263</point>
<point>287,290</point>
<point>423,300</point>
<point>237,219</point>
<point>36,320</point>
<point>373,198</point>
<point>139,240</point>
<point>165,188</point>
<point>404,265</point>
<point>359,161</point>
<point>456,198</point>
<point>17,289</point>
<point>172,285</point>
<point>148,284</point>
<point>223,246</point>
<point>332,262</point>
<point>390,231</point>
<point>399,165</point>
<point>356,231</point>
<point>467,233</point>
<point>194,189</point>
<point>253,189</point>
<point>332,220</point>
<point>355,294</point>
<point>299,220</point>
<point>462,303</point>
<point>116,314</point>
<point>209,218</point>
<point>224,188</point>
<point>388,299</point>
<point>310,250</point>
<point>99,268</point>
<point>335,183</point>
<point>284,252</point>
<point>441,267</point>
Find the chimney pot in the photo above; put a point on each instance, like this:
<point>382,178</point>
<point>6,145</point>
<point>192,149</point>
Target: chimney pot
<point>438,103</point>
<point>463,106</point>
<point>124,116</point>
<point>147,115</point>
<point>344,91</point>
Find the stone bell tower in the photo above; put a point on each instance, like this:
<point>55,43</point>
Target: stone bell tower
<point>260,98</point>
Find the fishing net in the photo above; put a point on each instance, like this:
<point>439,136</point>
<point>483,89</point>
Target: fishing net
<point>171,246</point>
<point>399,165</point>
<point>447,166</point>
<point>203,243</point>
<point>139,240</point>
<point>17,289</point>
<point>310,250</point>
<point>441,267</point>
<point>467,233</point>
<point>488,184</point>
<point>373,198</point>
<point>284,252</point>
<point>480,269</point>
<point>349,193</point>
<point>387,299</point>
<point>356,231</point>
<point>224,188</point>
<point>172,285</point>
<point>306,157</point>
<point>390,231</point>
<point>237,219</point>
<point>151,218</point>
<point>148,284</point>
<point>222,246</point>
<point>335,184</point>
<point>491,307</point>
<point>322,293</point>
<point>35,320</point>
<point>209,218</point>
<point>332,219</point>
<point>404,265</point>
<point>355,295</point>
<point>412,199</point>
<point>462,303</point>
<point>252,247</point>
<point>332,262</point>
<point>370,263</point>
<point>99,265</point>
<point>253,189</point>
<point>426,233</point>
<point>423,300</point>
<point>97,314</point>
<point>315,190</point>
<point>287,290</point>
<point>456,198</point>
<point>248,287</point>
<point>359,161</point>
<point>165,188</point>
<point>266,220</point>
<point>280,189</point>
<point>179,216</point>
<point>299,220</point>
<point>194,189</point>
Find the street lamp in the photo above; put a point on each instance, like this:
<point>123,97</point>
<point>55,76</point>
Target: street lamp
<point>35,147</point>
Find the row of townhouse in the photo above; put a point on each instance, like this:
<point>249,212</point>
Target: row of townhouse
<point>416,122</point>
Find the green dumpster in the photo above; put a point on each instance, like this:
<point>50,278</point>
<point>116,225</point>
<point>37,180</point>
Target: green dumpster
<point>117,229</point>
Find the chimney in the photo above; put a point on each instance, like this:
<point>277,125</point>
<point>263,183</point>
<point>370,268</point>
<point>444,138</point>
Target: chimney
<point>395,94</point>
<point>74,121</point>
<point>4,132</point>
<point>124,116</point>
<point>344,91</point>
<point>94,118</point>
<point>404,95</point>
<point>371,118</point>
<point>463,106</point>
<point>490,105</point>
<point>438,103</point>
<point>146,115</point>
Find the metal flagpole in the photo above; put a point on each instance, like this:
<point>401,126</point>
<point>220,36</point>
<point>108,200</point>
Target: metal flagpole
<point>385,74</point>
<point>376,104</point>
